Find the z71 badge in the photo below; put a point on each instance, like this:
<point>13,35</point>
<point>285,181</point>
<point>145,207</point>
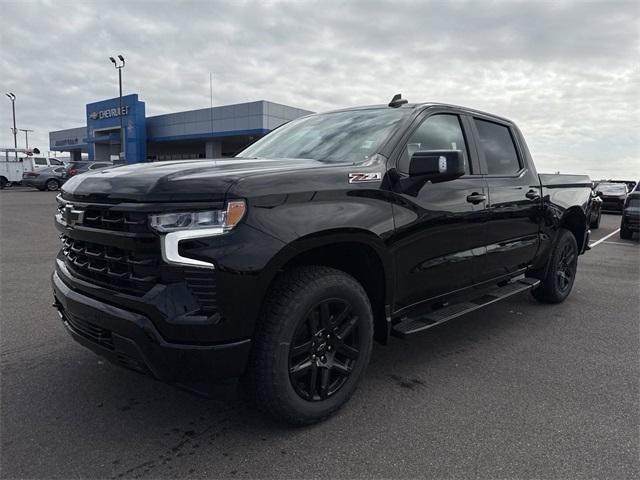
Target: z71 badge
<point>365,177</point>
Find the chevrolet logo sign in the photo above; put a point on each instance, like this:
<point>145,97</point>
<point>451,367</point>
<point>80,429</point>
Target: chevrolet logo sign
<point>71,216</point>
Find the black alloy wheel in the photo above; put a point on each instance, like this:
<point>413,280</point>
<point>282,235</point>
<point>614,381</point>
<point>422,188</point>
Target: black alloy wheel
<point>556,280</point>
<point>566,267</point>
<point>325,348</point>
<point>312,344</point>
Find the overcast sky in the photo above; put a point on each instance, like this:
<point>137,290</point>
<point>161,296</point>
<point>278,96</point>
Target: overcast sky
<point>567,72</point>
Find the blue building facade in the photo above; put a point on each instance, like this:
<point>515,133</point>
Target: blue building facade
<point>202,133</point>
<point>103,129</point>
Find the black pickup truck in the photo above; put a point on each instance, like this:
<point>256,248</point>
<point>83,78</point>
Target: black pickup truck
<point>279,267</point>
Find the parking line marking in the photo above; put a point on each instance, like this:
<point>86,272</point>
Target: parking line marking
<point>620,243</point>
<point>604,238</point>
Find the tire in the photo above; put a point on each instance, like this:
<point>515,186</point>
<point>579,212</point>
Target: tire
<point>3,182</point>
<point>302,378</point>
<point>625,233</point>
<point>596,223</point>
<point>52,185</point>
<point>557,281</point>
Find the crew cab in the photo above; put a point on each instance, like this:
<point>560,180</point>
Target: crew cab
<point>281,266</point>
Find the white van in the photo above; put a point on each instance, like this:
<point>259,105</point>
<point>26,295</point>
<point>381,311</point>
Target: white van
<point>12,169</point>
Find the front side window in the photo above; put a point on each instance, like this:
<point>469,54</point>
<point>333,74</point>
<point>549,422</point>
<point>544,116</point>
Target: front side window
<point>55,161</point>
<point>40,161</point>
<point>351,136</point>
<point>499,150</point>
<point>438,132</point>
<point>612,188</point>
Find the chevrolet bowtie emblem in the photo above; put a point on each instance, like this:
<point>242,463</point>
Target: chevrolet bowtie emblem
<point>71,216</point>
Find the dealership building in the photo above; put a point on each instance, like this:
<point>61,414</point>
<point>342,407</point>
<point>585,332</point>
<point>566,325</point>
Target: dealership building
<point>204,133</point>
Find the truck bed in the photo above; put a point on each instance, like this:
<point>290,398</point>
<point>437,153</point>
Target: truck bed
<point>556,180</point>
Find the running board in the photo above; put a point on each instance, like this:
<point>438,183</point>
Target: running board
<point>408,326</point>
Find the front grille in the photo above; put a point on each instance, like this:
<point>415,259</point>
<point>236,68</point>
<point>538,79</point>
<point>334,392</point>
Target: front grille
<point>112,267</point>
<point>105,218</point>
<point>92,332</point>
<point>135,266</point>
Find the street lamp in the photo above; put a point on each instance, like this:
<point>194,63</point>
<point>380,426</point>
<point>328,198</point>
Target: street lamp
<point>26,136</point>
<point>122,139</point>
<point>12,97</point>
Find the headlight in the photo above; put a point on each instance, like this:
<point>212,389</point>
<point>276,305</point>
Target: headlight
<point>224,219</point>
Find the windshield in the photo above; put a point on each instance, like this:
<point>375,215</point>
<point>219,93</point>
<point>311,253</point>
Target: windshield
<point>351,136</point>
<point>613,188</point>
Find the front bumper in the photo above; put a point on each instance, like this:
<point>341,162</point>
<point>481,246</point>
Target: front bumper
<point>131,340</point>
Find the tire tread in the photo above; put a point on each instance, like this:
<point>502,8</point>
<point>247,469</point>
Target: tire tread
<point>260,381</point>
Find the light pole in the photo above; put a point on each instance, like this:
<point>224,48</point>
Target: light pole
<point>122,137</point>
<point>26,136</point>
<point>12,97</point>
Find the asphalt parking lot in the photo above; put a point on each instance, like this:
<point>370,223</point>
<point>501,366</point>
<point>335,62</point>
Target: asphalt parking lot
<point>517,390</point>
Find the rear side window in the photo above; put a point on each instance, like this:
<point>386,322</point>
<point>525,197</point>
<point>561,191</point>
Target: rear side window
<point>499,149</point>
<point>55,161</point>
<point>40,161</point>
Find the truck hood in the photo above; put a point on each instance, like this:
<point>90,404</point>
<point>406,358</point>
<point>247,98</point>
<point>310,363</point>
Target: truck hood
<point>176,181</point>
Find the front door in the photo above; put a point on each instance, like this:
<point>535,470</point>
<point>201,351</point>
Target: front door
<point>440,227</point>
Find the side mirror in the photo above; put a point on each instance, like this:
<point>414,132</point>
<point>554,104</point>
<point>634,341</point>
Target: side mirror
<point>437,165</point>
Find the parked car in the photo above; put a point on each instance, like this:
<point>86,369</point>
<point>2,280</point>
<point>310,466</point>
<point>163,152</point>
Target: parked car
<point>50,179</point>
<point>613,195</point>
<point>595,213</point>
<point>13,167</point>
<point>76,168</point>
<point>630,221</point>
<point>281,266</point>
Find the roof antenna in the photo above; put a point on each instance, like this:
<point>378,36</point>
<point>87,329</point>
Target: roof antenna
<point>397,100</point>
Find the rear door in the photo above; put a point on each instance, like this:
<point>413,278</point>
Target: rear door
<point>514,197</point>
<point>440,232</point>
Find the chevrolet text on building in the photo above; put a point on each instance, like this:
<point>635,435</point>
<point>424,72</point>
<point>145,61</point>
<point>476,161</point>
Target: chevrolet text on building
<point>109,113</point>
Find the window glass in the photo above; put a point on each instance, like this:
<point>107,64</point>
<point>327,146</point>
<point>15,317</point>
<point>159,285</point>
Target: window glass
<point>612,188</point>
<point>438,132</point>
<point>349,136</point>
<point>634,202</point>
<point>55,161</point>
<point>59,170</point>
<point>40,161</point>
<point>498,147</point>
<point>98,165</point>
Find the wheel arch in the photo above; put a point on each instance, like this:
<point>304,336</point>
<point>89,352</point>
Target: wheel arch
<point>359,253</point>
<point>575,220</point>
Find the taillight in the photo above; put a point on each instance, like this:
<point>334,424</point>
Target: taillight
<point>72,172</point>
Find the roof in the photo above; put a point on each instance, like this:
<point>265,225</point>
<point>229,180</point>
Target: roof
<point>423,105</point>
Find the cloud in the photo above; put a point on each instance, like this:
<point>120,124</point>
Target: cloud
<point>566,72</point>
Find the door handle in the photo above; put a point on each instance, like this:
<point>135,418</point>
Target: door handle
<point>476,198</point>
<point>532,195</point>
